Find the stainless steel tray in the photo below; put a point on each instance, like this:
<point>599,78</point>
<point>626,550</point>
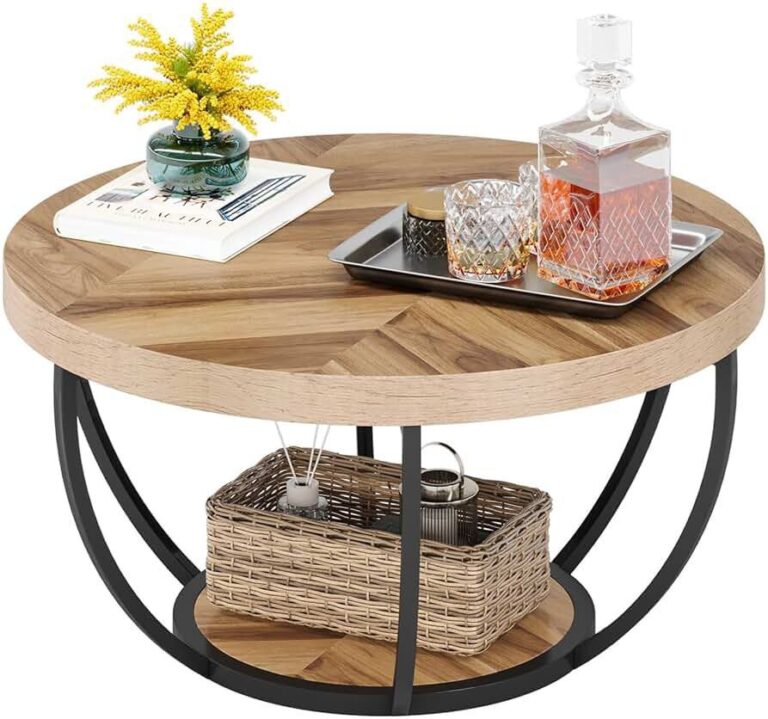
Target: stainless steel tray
<point>375,254</point>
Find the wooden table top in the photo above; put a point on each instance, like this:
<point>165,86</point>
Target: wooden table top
<point>280,332</point>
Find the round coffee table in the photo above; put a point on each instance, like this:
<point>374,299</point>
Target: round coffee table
<point>282,333</point>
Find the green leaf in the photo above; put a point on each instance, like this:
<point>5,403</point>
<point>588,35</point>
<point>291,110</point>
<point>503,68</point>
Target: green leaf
<point>181,66</point>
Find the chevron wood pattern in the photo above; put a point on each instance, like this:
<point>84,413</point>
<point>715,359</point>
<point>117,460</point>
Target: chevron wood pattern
<point>324,656</point>
<point>280,332</point>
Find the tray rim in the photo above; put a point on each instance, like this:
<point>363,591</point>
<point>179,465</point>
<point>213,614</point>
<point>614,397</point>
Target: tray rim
<point>358,240</point>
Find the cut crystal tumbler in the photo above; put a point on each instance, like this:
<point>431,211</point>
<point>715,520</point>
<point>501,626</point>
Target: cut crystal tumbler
<point>488,228</point>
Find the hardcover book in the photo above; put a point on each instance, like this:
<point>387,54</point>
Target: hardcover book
<point>131,211</point>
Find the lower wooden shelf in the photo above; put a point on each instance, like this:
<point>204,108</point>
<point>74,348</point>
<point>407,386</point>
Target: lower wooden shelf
<point>324,656</point>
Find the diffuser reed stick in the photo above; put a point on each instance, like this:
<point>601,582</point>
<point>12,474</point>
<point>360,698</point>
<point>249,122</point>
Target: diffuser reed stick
<point>285,449</point>
<point>317,459</point>
<point>312,453</point>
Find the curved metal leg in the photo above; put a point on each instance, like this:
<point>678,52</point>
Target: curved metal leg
<point>410,534</point>
<point>129,499</point>
<point>611,497</point>
<point>722,432</point>
<point>65,408</point>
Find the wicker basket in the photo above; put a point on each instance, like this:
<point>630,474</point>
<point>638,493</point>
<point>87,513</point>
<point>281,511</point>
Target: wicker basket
<point>343,576</point>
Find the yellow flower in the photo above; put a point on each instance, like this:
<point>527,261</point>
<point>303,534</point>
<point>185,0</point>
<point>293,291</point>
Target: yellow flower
<point>199,84</point>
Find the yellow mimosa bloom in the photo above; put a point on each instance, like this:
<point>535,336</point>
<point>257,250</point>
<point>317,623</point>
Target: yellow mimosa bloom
<point>199,84</point>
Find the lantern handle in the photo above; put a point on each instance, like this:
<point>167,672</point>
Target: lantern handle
<point>452,451</point>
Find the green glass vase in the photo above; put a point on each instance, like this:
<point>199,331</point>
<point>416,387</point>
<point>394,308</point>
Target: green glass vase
<point>185,162</point>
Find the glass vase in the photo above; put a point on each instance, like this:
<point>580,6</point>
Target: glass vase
<point>186,163</point>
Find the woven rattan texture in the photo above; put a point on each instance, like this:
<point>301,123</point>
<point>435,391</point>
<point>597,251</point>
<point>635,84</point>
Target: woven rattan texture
<point>342,575</point>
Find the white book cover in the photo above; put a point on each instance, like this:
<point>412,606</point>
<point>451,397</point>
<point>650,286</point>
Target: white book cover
<point>131,211</point>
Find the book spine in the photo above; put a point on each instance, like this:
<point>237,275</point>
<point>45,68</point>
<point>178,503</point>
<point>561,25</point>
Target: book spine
<point>76,227</point>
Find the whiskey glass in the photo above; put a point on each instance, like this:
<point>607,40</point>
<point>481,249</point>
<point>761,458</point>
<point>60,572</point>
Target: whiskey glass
<point>528,176</point>
<point>488,229</point>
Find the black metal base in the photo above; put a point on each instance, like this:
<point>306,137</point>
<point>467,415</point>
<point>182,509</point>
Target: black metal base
<point>74,403</point>
<point>425,699</point>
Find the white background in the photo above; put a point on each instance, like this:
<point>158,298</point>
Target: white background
<point>496,69</point>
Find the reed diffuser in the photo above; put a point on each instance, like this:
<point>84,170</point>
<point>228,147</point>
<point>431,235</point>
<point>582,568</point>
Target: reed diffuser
<point>302,496</point>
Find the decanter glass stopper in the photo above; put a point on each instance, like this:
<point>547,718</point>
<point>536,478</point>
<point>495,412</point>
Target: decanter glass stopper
<point>604,47</point>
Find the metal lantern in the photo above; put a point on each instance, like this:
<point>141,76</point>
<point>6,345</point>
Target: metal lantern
<point>448,503</point>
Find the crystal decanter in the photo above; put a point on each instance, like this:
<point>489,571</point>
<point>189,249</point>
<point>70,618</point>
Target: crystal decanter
<point>605,192</point>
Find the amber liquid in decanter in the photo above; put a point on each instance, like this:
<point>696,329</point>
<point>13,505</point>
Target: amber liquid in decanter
<point>605,189</point>
<point>601,238</point>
